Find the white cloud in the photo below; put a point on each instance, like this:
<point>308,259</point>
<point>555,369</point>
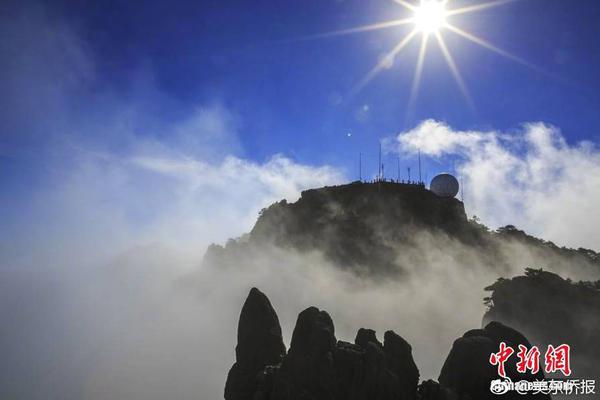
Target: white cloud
<point>92,279</point>
<point>209,133</point>
<point>166,197</point>
<point>532,178</point>
<point>110,167</point>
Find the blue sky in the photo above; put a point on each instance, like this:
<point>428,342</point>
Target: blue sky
<point>285,92</point>
<point>246,57</point>
<point>205,80</point>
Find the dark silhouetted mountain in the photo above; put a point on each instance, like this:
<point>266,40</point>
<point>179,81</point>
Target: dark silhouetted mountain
<point>388,230</point>
<point>355,226</point>
<point>319,367</point>
<point>552,310</point>
<point>368,227</point>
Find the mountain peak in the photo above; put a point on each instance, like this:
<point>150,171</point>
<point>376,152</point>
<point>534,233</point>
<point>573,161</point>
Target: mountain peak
<point>376,228</point>
<point>347,218</point>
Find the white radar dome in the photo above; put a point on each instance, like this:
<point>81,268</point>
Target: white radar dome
<point>444,185</point>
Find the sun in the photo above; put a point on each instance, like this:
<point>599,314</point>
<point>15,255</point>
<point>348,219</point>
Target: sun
<point>430,16</point>
<point>429,19</point>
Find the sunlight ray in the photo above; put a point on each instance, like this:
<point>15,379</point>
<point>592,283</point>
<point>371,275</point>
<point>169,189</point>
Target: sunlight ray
<point>360,29</point>
<point>389,57</point>
<point>418,72</point>
<point>429,17</point>
<point>479,7</point>
<point>489,46</point>
<point>454,69</point>
<point>406,4</point>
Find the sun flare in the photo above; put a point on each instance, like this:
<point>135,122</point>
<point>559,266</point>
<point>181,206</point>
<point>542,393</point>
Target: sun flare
<point>429,19</point>
<point>430,16</point>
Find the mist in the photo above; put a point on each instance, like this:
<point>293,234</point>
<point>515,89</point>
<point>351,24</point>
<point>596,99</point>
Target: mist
<point>147,326</point>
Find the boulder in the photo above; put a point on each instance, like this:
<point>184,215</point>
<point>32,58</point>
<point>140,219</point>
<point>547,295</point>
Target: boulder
<point>468,371</point>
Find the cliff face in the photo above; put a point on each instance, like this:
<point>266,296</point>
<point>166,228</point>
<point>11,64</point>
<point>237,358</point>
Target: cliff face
<point>320,367</point>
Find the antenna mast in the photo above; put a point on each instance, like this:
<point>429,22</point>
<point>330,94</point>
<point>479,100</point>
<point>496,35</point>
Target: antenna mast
<point>420,180</point>
<point>379,166</point>
<point>360,167</point>
<point>408,174</point>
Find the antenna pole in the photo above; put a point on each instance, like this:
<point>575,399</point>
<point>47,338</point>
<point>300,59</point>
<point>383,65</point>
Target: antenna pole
<point>360,167</point>
<point>408,174</point>
<point>379,166</point>
<point>398,169</point>
<point>420,180</point>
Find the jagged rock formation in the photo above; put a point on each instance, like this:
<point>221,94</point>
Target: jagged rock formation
<point>552,310</point>
<point>259,344</point>
<point>364,227</point>
<point>319,367</point>
<point>468,372</point>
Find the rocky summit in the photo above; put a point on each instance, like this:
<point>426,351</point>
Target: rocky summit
<point>368,227</point>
